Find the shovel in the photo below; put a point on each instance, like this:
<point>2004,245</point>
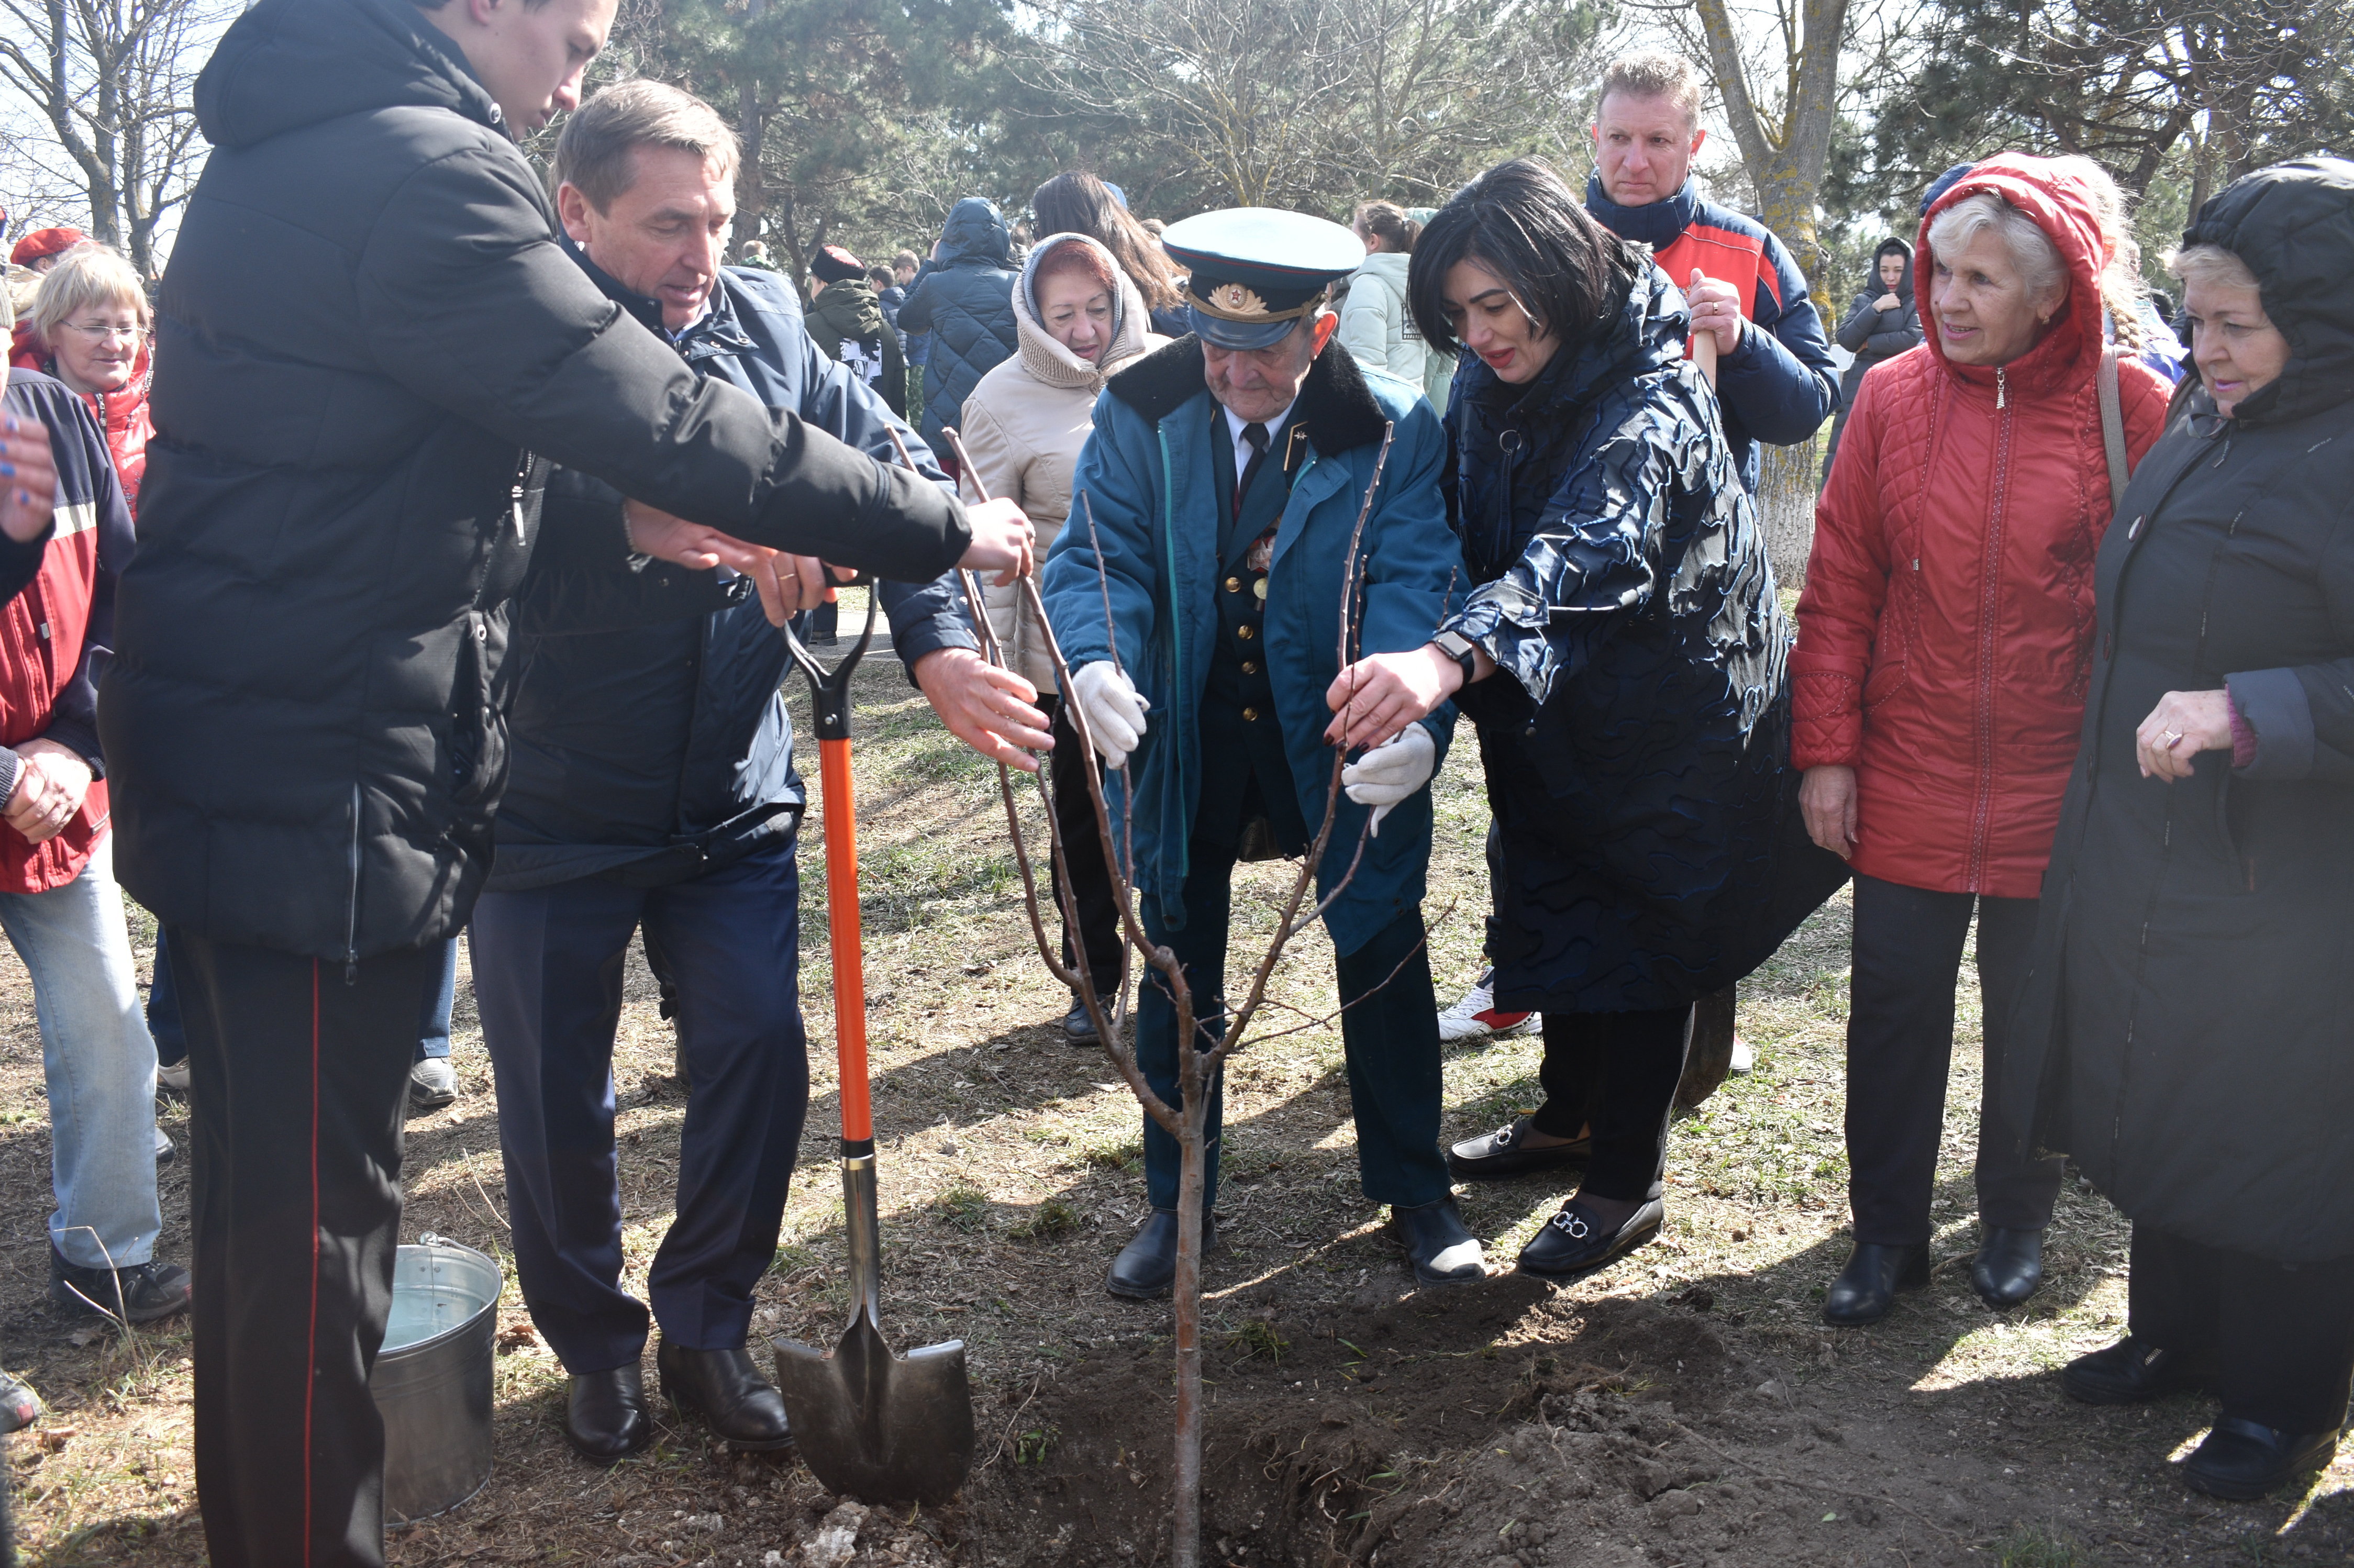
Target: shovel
<point>883,1428</point>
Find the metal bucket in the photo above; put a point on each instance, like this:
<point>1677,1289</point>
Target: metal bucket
<point>432,1379</point>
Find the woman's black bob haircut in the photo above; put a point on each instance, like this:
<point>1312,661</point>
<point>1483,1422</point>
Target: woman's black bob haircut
<point>1522,222</point>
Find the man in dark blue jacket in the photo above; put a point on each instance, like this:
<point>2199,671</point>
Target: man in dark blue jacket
<point>963,298</point>
<point>652,788</point>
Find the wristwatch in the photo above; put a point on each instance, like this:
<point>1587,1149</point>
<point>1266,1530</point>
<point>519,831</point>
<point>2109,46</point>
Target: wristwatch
<point>1462,649</point>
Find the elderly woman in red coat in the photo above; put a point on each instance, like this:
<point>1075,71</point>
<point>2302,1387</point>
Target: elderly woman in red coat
<point>1939,678</point>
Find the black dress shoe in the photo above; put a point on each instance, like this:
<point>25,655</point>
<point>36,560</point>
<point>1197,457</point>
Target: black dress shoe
<point>1867,1286</point>
<point>1077,1026</point>
<point>727,1391</point>
<point>1574,1244</point>
<point>1499,1155</point>
<point>1437,1242</point>
<point>605,1413</point>
<point>1147,1266</point>
<point>2242,1461</point>
<point>2007,1268</point>
<point>2131,1371</point>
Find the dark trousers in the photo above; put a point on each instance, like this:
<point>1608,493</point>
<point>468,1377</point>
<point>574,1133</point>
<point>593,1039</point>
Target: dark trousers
<point>547,978</point>
<point>172,1037</point>
<point>1900,1043</point>
<point>2283,1333</point>
<point>1389,1037</point>
<point>1091,882</point>
<point>1616,1072</point>
<point>298,1084</point>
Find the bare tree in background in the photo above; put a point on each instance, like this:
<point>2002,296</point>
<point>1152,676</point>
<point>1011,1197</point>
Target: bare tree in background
<point>1313,103</point>
<point>110,83</point>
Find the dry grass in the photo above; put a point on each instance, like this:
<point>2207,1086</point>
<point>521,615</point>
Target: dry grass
<point>1011,1172</point>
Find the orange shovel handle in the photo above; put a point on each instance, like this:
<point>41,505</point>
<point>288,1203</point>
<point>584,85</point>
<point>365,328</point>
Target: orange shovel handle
<point>842,926</point>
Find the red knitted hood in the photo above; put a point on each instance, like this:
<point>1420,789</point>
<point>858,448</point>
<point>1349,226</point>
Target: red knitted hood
<point>2062,207</point>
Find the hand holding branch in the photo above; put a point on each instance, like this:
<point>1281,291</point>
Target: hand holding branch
<point>989,708</point>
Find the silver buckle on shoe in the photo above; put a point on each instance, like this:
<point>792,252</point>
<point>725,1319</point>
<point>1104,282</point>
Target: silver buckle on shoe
<point>1503,1138</point>
<point>1572,1224</point>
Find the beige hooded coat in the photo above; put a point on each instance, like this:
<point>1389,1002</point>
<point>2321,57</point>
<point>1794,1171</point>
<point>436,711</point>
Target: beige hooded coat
<point>1025,423</point>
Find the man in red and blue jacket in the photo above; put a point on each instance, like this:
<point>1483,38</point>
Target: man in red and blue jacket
<point>1776,380</point>
<point>58,901</point>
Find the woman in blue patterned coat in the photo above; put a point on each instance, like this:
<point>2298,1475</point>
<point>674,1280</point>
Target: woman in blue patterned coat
<point>1623,656</point>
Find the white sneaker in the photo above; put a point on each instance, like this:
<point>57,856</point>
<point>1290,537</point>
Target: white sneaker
<point>1743,1058</point>
<point>174,1079</point>
<point>1476,1015</point>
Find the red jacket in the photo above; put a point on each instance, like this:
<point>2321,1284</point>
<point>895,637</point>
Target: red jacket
<point>121,414</point>
<point>1944,635</point>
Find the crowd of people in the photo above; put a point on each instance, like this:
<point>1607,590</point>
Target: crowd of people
<point>425,579</point>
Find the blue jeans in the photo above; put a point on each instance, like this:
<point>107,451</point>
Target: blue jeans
<point>99,1064</point>
<point>172,1036</point>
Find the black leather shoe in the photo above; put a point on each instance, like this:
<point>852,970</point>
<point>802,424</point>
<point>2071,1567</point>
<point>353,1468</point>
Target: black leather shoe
<point>1500,1155</point>
<point>1866,1288</point>
<point>2242,1461</point>
<point>1437,1242</point>
<point>2007,1268</point>
<point>1147,1266</point>
<point>2130,1372</point>
<point>1077,1026</point>
<point>605,1413</point>
<point>1574,1244</point>
<point>139,1294</point>
<point>727,1391</point>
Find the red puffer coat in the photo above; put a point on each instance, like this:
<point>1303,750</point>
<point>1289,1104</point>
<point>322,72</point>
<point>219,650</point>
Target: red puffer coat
<point>1944,635</point>
<point>121,414</point>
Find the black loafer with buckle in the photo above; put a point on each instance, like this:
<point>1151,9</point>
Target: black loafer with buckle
<point>1504,1153</point>
<point>1574,1244</point>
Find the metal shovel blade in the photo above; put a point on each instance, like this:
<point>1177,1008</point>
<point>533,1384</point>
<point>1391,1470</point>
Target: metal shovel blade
<point>883,1429</point>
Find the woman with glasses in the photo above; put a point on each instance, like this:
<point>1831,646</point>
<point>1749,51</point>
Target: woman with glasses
<point>91,322</point>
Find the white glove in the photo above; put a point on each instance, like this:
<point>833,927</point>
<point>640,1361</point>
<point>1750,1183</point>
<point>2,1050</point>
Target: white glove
<point>1391,772</point>
<point>1114,711</point>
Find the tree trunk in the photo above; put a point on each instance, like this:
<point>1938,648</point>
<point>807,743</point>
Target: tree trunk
<point>1786,508</point>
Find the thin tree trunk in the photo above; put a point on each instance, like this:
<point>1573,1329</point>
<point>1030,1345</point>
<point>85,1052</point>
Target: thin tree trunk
<point>1786,508</point>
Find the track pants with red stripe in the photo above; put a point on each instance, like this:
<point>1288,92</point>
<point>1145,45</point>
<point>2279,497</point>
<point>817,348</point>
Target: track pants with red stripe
<point>297,1088</point>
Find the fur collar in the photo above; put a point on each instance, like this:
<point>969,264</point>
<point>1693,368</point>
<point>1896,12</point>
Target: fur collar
<point>1336,407</point>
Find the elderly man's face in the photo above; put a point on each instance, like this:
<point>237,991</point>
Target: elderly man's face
<point>1258,384</point>
<point>1643,148</point>
<point>665,235</point>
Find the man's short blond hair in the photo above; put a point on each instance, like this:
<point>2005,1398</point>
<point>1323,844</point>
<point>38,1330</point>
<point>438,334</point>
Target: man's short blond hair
<point>597,152</point>
<point>1655,73</point>
<point>90,277</point>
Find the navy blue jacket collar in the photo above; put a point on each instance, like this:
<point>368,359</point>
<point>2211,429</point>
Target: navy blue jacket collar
<point>1656,225</point>
<point>714,331</point>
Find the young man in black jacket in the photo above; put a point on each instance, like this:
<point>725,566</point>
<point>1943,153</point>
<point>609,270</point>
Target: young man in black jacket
<point>654,790</point>
<point>369,342</point>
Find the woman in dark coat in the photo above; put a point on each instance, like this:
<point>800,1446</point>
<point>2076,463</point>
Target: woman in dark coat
<point>1623,654</point>
<point>2183,1031</point>
<point>963,298</point>
<point>1881,325</point>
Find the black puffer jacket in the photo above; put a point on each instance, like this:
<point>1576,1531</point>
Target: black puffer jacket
<point>1635,733</point>
<point>2183,1031</point>
<point>650,740</point>
<point>964,299</point>
<point>367,326</point>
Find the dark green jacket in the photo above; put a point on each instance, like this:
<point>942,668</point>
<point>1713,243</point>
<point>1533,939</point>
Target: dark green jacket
<point>847,325</point>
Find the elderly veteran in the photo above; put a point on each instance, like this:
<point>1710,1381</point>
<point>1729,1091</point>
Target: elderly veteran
<point>2183,1031</point>
<point>1226,473</point>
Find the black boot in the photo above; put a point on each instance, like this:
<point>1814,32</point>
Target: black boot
<point>1147,1266</point>
<point>1077,1027</point>
<point>727,1391</point>
<point>2130,1372</point>
<point>2242,1461</point>
<point>2009,1267</point>
<point>1574,1244</point>
<point>605,1413</point>
<point>1438,1245</point>
<point>1866,1288</point>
